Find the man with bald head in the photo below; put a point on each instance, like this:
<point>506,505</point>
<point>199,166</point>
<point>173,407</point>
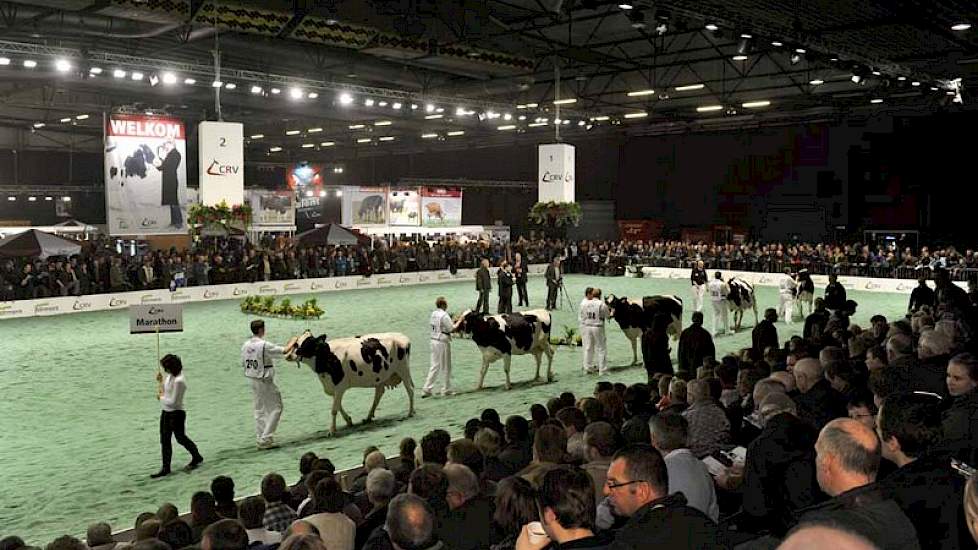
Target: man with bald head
<point>818,402</point>
<point>810,536</point>
<point>847,458</point>
<point>899,351</point>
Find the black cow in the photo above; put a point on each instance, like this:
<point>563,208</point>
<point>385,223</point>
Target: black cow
<point>634,318</point>
<point>740,299</point>
<point>378,361</point>
<point>372,209</point>
<point>505,335</point>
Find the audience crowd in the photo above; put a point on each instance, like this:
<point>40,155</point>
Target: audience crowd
<point>102,267</point>
<point>848,436</point>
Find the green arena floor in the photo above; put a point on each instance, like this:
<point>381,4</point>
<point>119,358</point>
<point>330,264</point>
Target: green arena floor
<point>78,435</point>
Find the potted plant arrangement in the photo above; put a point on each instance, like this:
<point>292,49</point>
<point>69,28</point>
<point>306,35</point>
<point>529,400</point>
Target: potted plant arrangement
<point>570,337</point>
<point>200,216</point>
<point>266,306</point>
<point>554,217</point>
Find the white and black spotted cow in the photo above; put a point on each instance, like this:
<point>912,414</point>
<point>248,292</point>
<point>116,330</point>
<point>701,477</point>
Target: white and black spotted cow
<point>806,292</point>
<point>634,318</point>
<point>740,299</point>
<point>378,361</point>
<point>507,334</point>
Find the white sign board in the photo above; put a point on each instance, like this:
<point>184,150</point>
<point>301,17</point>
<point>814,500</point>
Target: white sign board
<point>221,146</point>
<point>155,318</point>
<point>555,175</point>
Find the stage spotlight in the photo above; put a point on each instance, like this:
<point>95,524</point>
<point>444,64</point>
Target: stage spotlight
<point>216,84</point>
<point>346,99</point>
<point>169,78</point>
<point>4,61</point>
<point>230,86</point>
<point>396,106</point>
<point>256,89</point>
<point>275,91</point>
<point>368,102</point>
<point>711,27</point>
<point>296,93</point>
<point>30,63</point>
<point>312,95</point>
<point>136,75</point>
<point>62,65</point>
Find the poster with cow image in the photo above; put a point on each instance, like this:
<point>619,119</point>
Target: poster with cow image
<point>369,205</point>
<point>271,207</point>
<point>404,206</point>
<point>441,206</point>
<point>145,175</point>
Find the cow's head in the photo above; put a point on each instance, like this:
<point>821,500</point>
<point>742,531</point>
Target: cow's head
<point>303,346</point>
<point>614,303</point>
<point>468,318</point>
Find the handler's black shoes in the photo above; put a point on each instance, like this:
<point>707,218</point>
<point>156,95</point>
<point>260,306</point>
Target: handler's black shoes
<point>194,464</point>
<point>161,473</point>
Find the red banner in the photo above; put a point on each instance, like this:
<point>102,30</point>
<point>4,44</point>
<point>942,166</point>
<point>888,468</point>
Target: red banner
<point>144,126</point>
<point>639,230</point>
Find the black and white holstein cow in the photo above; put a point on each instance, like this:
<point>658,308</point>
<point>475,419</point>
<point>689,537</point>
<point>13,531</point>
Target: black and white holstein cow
<point>507,334</point>
<point>378,361</point>
<point>740,299</point>
<point>634,318</point>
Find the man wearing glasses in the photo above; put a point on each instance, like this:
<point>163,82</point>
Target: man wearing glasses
<point>638,488</point>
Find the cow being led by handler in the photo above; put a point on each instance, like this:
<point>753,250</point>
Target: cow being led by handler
<point>507,334</point>
<point>636,317</point>
<point>741,299</point>
<point>378,361</point>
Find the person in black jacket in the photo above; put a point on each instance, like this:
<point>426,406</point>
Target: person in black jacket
<point>483,285</point>
<point>554,276</point>
<point>961,418</point>
<point>921,296</point>
<point>168,164</point>
<point>816,322</point>
<point>847,460</point>
<point>520,276</point>
<point>765,334</point>
<point>505,280</point>
<point>925,486</point>
<point>695,344</point>
<point>818,402</point>
<point>637,487</point>
<point>835,293</point>
<point>567,513</point>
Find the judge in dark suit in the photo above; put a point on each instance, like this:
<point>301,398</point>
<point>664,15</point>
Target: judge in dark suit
<point>554,277</point>
<point>483,284</point>
<point>167,164</point>
<point>520,277</point>
<point>505,288</point>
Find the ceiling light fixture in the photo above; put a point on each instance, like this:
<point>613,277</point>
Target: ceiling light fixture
<point>432,117</point>
<point>536,124</point>
<point>711,27</point>
<point>601,118</point>
<point>816,82</point>
<point>777,44</point>
<point>39,125</point>
<point>640,93</point>
<point>429,108</point>
<point>356,126</point>
<point>382,104</point>
<point>81,117</point>
<point>308,145</point>
<point>709,108</point>
<point>4,61</point>
<point>565,101</point>
<point>915,83</point>
<point>345,99</point>
<point>169,79</point>
<point>739,57</point>
<point>368,102</point>
<point>327,144</point>
<point>136,75</point>
<point>256,89</point>
<point>274,149</point>
<point>689,87</point>
<point>364,140</point>
<point>506,127</point>
<point>456,133</point>
<point>230,86</point>
<point>428,136</point>
<point>756,104</point>
<point>396,106</point>
<point>293,132</point>
<point>387,138</point>
<point>800,50</point>
<point>636,115</point>
<point>314,130</point>
<point>30,63</point>
<point>49,198</point>
<point>625,6</point>
<point>257,136</point>
<point>275,91</point>
<point>65,120</point>
<point>383,123</point>
<point>189,81</point>
<point>876,100</point>
<point>296,93</point>
<point>960,26</point>
<point>62,65</point>
<point>216,84</point>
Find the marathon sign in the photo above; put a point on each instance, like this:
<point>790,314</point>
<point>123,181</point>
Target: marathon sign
<point>155,318</point>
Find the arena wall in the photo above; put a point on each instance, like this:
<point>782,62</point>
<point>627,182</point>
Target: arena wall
<point>122,300</point>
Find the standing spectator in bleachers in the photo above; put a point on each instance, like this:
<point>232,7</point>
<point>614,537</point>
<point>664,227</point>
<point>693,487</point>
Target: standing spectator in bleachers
<point>816,322</point>
<point>695,344</point>
<point>765,334</point>
<point>835,293</point>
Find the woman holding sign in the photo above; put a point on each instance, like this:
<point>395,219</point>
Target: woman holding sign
<point>173,418</point>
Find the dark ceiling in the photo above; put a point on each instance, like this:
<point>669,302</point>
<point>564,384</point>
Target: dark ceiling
<point>480,57</point>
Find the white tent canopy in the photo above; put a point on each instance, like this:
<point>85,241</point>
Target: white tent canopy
<point>37,244</point>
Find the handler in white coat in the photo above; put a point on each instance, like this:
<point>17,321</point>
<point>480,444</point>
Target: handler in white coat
<point>256,359</point>
<point>441,350</point>
<point>592,316</point>
<point>786,291</point>
<point>718,291</point>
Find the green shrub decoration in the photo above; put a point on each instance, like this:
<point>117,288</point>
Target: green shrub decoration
<point>571,337</point>
<point>257,305</point>
<point>555,214</point>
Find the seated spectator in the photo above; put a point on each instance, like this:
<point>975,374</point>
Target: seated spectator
<point>862,408</point>
<point>278,514</point>
<point>614,407</point>
<point>813,535</point>
<point>818,402</point>
<point>567,513</point>
<point>166,513</point>
<point>549,450</point>
<point>222,487</point>
<point>467,453</point>
<point>308,506</point>
<point>574,423</point>
<point>488,443</point>
<point>899,351</point>
<point>99,537</point>
<point>202,513</point>
<point>381,488</point>
<point>592,410</point>
<point>303,542</point>
<point>225,534</point>
<point>430,483</point>
<point>251,512</point>
<point>930,371</point>
<point>638,488</point>
<point>883,382</point>
<point>375,460</point>
<point>538,416</point>
<point>516,506</point>
<point>925,486</point>
<point>635,431</point>
<point>709,428</point>
<point>601,441</point>
<point>177,533</point>
<point>300,492</point>
<point>66,542</point>
<point>727,374</point>
<point>961,418</point>
<point>402,470</point>
<point>687,474</point>
<point>675,400</point>
<point>434,447</point>
<point>779,470</point>
<point>638,402</point>
<point>12,542</point>
<point>411,524</point>
<point>875,358</point>
<point>848,456</point>
<point>467,526</point>
<point>337,530</point>
<point>815,323</point>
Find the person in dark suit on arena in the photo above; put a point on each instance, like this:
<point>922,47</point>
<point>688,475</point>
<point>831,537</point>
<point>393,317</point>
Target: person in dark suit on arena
<point>520,275</point>
<point>483,285</point>
<point>554,278</point>
<point>505,288</point>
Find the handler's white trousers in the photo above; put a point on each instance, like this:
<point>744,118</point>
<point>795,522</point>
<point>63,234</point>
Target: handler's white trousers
<point>441,363</point>
<point>268,408</point>
<point>595,348</point>
<point>786,308</point>
<point>698,292</point>
<point>720,308</point>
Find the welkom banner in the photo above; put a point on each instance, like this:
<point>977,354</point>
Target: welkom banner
<point>404,206</point>
<point>441,206</point>
<point>145,175</point>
